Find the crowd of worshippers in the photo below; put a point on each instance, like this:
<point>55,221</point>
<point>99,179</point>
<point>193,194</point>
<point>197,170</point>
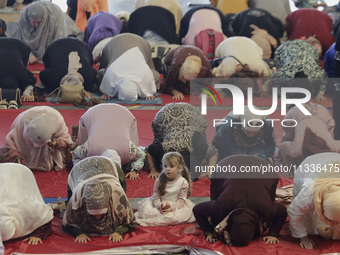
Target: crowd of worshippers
<point>103,152</point>
<point>158,49</point>
<point>133,52</point>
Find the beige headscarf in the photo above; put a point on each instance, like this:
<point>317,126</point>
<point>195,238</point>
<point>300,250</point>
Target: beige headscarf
<point>327,196</point>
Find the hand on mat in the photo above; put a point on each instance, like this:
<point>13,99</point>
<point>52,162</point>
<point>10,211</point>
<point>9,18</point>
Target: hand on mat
<point>178,96</point>
<point>26,98</point>
<point>165,208</point>
<point>270,240</point>
<point>211,238</point>
<point>132,175</point>
<point>33,240</point>
<point>82,238</point>
<point>153,174</point>
<point>307,243</point>
<point>104,96</point>
<point>320,97</point>
<point>88,94</point>
<point>116,238</point>
<point>150,98</point>
<point>32,59</point>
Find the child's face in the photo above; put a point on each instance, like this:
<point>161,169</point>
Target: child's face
<point>171,169</point>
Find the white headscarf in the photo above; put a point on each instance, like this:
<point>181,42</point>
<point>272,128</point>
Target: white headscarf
<point>129,77</point>
<point>246,51</point>
<point>22,208</point>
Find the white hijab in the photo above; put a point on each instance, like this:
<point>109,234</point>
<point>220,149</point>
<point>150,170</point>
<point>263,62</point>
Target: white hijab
<point>246,51</point>
<point>129,77</point>
<point>22,208</point>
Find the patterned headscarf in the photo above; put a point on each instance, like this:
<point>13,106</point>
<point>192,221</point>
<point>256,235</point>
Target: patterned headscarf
<point>96,196</point>
<point>95,188</point>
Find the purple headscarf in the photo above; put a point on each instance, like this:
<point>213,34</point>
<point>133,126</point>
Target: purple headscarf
<point>100,26</point>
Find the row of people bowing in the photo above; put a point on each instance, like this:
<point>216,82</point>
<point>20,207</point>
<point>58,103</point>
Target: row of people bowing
<point>107,152</point>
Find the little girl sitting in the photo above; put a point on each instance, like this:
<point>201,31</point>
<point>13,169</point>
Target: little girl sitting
<point>169,204</point>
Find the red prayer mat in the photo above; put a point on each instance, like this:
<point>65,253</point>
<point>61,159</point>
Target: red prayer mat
<point>186,235</point>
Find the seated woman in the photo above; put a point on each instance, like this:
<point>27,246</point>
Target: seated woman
<point>86,9</point>
<point>38,139</point>
<point>289,64</point>
<point>23,212</point>
<point>174,131</point>
<point>256,138</point>
<point>98,133</point>
<point>119,45</point>
<point>128,78</point>
<point>260,26</point>
<point>315,206</point>
<point>182,65</point>
<point>100,26</point>
<point>311,135</point>
<point>242,206</point>
<point>202,19</point>
<point>58,63</point>
<point>278,8</point>
<point>155,24</point>
<point>40,24</point>
<point>97,202</point>
<point>13,71</point>
<point>310,22</point>
<point>171,5</point>
<point>240,54</point>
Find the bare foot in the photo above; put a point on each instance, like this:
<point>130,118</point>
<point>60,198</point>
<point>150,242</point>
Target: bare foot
<point>105,97</point>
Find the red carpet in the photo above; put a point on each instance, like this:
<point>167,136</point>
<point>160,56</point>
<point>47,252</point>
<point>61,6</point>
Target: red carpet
<point>53,184</point>
<point>186,235</point>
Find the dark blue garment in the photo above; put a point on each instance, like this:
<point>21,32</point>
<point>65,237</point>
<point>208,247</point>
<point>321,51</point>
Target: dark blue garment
<point>230,140</point>
<point>329,60</point>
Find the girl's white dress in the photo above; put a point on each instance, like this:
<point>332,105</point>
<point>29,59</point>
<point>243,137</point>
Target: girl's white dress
<point>148,213</point>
